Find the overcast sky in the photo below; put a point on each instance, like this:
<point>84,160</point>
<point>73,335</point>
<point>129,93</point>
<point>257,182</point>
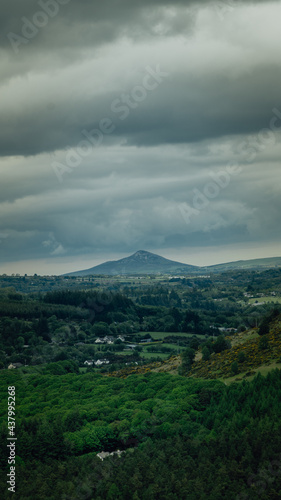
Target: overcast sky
<point>137,124</point>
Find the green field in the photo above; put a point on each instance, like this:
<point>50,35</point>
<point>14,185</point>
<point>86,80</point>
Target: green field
<point>82,370</point>
<point>276,300</point>
<point>162,335</point>
<point>122,353</point>
<point>148,355</point>
<point>173,346</point>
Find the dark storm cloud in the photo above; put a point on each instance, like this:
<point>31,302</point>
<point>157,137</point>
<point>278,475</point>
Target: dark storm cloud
<point>91,22</point>
<point>183,109</point>
<point>191,109</point>
<point>48,106</point>
<point>83,9</point>
<point>84,22</point>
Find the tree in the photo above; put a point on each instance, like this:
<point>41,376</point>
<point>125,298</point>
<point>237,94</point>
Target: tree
<point>234,368</point>
<point>194,343</point>
<point>175,313</point>
<point>188,356</point>
<point>113,493</point>
<point>241,357</point>
<point>263,343</point>
<point>20,343</point>
<point>221,344</point>
<point>100,329</point>
<point>191,321</point>
<point>42,329</point>
<point>205,353</point>
<point>264,327</point>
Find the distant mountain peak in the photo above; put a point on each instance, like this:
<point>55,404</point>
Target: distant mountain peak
<point>142,253</point>
<point>141,262</point>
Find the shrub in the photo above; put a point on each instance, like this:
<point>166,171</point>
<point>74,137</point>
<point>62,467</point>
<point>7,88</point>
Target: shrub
<point>234,368</point>
<point>264,327</point>
<point>221,344</point>
<point>205,353</point>
<point>188,356</point>
<point>263,344</point>
<point>241,357</point>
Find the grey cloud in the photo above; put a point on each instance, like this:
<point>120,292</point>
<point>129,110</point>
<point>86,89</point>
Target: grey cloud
<point>181,110</point>
<point>213,107</point>
<point>86,22</point>
<point>130,213</point>
<point>91,23</point>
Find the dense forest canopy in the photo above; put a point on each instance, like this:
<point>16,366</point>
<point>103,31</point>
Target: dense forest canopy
<point>180,438</point>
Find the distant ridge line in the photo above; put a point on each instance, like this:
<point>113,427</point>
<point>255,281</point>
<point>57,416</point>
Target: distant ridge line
<point>144,262</point>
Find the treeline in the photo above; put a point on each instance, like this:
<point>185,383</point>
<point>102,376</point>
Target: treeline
<point>89,299</point>
<point>34,308</point>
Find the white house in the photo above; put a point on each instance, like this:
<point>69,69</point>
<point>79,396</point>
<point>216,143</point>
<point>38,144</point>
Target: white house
<point>104,454</point>
<point>99,341</point>
<point>100,362</point>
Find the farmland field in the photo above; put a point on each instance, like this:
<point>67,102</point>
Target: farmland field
<point>276,300</point>
<point>162,335</point>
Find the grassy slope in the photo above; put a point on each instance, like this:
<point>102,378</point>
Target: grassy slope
<point>260,300</point>
<point>248,264</point>
<point>219,365</point>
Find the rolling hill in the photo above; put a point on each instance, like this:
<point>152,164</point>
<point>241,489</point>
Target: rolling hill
<point>258,264</point>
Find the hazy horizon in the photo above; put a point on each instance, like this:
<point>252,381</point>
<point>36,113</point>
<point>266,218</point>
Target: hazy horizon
<point>198,258</point>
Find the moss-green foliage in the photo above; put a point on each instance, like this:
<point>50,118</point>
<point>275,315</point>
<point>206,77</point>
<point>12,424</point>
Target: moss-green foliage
<point>206,353</point>
<point>263,343</point>
<point>241,357</point>
<point>188,356</point>
<point>184,438</point>
<point>234,368</point>
<point>221,344</point>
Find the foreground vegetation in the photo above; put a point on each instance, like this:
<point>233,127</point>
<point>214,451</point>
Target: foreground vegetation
<point>181,438</point>
<point>181,431</point>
